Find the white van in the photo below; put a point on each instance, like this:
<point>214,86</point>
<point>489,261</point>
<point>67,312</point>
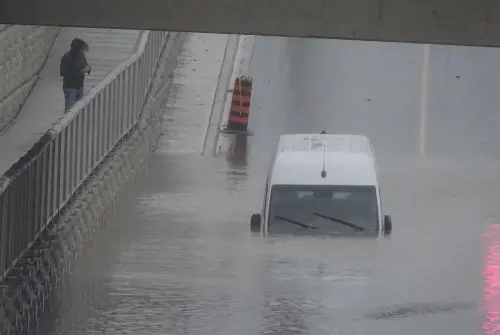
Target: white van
<point>323,183</point>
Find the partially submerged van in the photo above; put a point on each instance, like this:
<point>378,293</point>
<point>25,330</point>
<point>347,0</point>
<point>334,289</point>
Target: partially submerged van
<point>323,183</point>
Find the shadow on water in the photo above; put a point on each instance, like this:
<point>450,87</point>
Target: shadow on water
<point>419,309</point>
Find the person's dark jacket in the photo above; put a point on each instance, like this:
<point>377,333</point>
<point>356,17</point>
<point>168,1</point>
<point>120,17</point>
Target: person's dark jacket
<point>72,64</point>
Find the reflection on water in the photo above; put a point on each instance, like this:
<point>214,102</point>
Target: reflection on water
<point>491,274</point>
<point>283,315</point>
<point>237,157</point>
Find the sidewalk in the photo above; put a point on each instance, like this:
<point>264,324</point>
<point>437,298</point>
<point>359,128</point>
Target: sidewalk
<point>192,93</point>
<point>108,48</point>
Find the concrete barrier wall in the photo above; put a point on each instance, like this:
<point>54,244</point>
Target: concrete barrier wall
<point>42,271</point>
<point>23,52</point>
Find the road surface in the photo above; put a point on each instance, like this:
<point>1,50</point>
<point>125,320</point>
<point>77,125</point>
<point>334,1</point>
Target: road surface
<point>177,256</point>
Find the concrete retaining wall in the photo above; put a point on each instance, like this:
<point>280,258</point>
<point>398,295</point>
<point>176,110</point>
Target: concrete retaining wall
<point>24,295</point>
<point>23,52</point>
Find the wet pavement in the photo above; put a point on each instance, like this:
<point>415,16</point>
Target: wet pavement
<point>177,256</point>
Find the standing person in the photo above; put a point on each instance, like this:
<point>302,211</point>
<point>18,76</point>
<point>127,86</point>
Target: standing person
<point>73,68</point>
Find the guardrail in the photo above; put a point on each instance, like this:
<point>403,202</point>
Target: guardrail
<point>40,184</point>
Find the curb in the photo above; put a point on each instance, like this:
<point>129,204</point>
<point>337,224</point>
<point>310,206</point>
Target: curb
<point>214,118</point>
<point>225,139</point>
<point>241,68</point>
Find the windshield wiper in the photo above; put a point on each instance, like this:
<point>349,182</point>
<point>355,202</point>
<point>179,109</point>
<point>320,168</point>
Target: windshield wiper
<point>303,225</point>
<point>345,223</point>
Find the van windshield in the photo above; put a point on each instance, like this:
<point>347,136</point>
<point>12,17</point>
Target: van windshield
<point>340,209</point>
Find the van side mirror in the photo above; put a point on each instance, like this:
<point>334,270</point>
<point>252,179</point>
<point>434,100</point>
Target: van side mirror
<point>387,224</point>
<point>255,223</point>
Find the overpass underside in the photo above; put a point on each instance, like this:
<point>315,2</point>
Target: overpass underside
<point>461,22</point>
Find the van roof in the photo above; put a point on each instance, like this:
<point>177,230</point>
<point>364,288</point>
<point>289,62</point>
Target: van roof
<point>333,143</point>
<point>349,160</point>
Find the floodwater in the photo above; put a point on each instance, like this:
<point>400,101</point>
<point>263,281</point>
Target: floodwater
<point>177,256</point>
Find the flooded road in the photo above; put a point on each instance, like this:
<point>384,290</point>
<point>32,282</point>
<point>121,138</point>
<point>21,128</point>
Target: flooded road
<point>177,256</point>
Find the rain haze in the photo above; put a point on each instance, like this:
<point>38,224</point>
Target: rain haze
<point>176,255</point>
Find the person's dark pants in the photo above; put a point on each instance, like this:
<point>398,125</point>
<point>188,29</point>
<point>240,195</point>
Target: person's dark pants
<point>71,96</point>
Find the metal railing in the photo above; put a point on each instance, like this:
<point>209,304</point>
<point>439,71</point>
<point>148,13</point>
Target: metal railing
<point>40,184</point>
